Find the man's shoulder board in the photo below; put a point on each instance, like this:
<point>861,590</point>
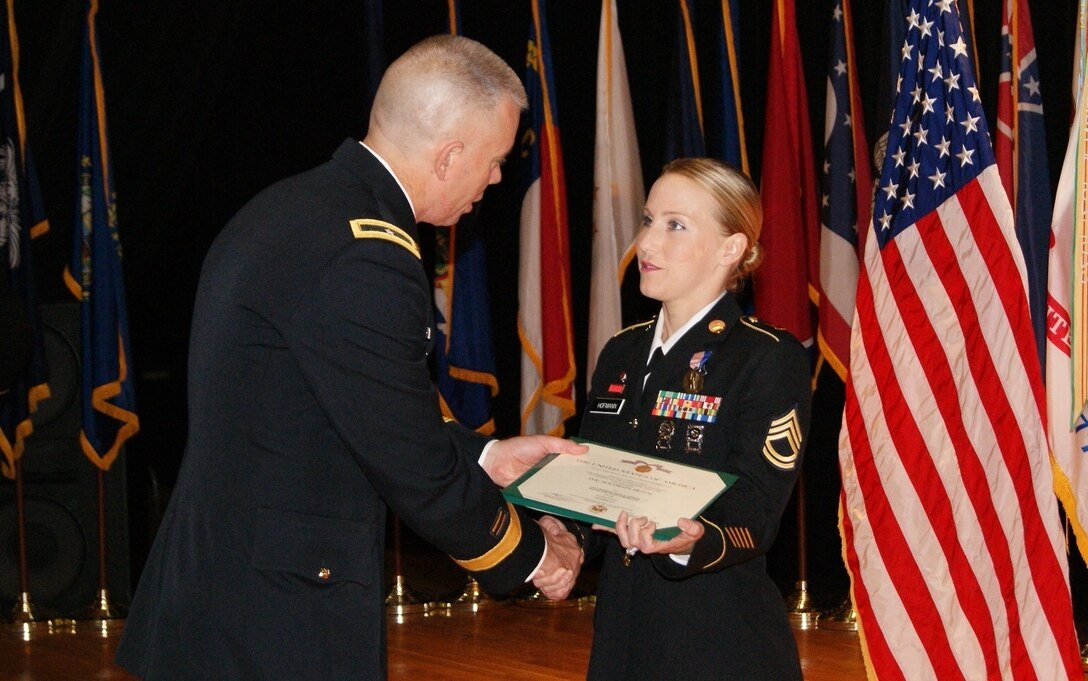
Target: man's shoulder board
<point>368,228</point>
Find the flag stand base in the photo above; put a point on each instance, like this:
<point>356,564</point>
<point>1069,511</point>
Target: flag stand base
<point>101,609</point>
<point>538,600</point>
<point>471,598</point>
<point>403,600</point>
<point>799,607</point>
<point>842,618</point>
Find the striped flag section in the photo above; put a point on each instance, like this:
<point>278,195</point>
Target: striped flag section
<point>950,525</point>
<point>847,188</point>
<point>95,277</point>
<point>1066,348</point>
<point>618,192</point>
<point>1020,147</point>
<point>544,302</point>
<point>785,285</point>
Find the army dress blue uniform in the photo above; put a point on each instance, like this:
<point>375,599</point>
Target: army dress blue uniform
<point>720,616</point>
<point>311,409</point>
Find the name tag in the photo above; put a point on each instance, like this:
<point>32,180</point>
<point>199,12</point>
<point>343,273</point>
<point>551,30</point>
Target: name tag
<point>606,405</point>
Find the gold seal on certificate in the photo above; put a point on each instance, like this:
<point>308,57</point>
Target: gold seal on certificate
<point>596,486</point>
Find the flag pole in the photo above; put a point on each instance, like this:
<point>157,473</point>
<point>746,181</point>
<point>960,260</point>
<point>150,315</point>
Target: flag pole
<point>402,600</point>
<point>24,611</point>
<point>102,610</point>
<point>798,604</point>
<point>25,618</point>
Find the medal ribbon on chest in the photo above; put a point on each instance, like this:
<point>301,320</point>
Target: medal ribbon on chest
<point>689,406</point>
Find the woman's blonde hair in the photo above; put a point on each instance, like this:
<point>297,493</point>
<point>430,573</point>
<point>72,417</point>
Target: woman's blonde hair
<point>739,208</point>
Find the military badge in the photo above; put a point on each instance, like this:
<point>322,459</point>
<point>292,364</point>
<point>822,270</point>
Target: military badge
<point>693,440</point>
<point>693,379</point>
<point>664,435</point>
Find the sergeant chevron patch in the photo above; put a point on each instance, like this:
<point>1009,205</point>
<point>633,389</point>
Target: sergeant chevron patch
<point>367,228</point>
<point>783,441</point>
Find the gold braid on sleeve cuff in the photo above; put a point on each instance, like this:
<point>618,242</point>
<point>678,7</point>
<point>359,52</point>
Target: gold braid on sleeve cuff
<point>499,552</point>
<point>724,545</point>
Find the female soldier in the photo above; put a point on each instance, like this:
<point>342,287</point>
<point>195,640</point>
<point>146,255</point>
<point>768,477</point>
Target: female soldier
<point>700,605</point>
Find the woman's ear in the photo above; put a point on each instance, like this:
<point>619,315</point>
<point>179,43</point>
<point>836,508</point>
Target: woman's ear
<point>733,249</point>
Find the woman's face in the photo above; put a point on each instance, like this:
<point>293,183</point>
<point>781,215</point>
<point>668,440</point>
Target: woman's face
<point>684,258</point>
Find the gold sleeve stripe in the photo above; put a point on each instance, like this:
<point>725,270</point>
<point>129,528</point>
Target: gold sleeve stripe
<point>719,558</point>
<point>499,552</point>
<point>740,536</point>
<point>748,322</point>
<point>367,228</point>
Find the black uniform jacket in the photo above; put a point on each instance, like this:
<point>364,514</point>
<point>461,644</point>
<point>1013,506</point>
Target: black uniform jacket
<point>720,617</point>
<point>310,409</point>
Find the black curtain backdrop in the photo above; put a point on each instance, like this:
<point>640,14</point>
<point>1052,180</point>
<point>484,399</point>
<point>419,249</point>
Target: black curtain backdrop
<point>209,101</point>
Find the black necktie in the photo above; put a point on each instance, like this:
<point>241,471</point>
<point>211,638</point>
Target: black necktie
<point>655,360</point>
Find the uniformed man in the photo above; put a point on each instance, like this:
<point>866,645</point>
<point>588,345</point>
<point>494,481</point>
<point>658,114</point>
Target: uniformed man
<point>311,407</point>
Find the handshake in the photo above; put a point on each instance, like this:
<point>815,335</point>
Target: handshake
<point>563,560</point>
<point>563,556</point>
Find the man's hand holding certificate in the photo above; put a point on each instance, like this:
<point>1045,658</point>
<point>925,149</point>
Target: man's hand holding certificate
<point>597,486</point>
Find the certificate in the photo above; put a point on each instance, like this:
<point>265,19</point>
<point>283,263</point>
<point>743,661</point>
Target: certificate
<point>597,485</point>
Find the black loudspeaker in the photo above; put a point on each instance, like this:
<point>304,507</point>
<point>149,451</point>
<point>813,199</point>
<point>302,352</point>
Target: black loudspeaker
<point>60,490</point>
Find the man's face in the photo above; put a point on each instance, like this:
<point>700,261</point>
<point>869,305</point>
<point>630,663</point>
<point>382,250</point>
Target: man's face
<point>487,141</point>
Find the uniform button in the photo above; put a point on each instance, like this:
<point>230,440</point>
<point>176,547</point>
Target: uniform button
<point>633,423</point>
<point>323,573</point>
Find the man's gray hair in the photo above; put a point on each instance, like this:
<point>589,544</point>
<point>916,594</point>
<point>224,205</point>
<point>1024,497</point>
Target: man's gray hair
<point>438,81</point>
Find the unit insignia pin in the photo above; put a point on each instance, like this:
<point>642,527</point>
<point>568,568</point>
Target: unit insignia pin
<point>693,442</point>
<point>664,435</point>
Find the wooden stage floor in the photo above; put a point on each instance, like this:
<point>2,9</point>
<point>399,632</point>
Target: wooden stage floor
<point>511,639</point>
<point>507,642</point>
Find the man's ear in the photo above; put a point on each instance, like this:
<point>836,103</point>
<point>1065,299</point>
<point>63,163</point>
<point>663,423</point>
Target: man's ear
<point>445,158</point>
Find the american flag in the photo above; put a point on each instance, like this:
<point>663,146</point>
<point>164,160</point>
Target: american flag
<point>847,188</point>
<point>950,524</point>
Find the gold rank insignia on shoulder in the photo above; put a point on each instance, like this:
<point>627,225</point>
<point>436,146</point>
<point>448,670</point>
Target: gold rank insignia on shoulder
<point>368,228</point>
<point>783,441</point>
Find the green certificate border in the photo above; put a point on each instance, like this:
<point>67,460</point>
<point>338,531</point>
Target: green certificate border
<point>512,492</point>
